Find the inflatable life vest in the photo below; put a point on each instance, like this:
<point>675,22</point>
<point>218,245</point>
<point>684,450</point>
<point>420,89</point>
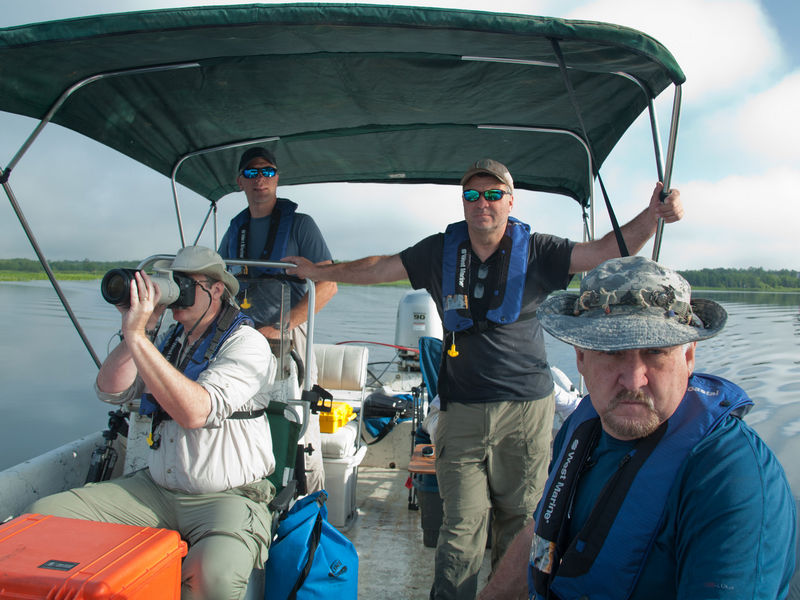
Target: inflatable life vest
<point>607,555</point>
<point>280,226</point>
<point>514,249</point>
<point>195,362</point>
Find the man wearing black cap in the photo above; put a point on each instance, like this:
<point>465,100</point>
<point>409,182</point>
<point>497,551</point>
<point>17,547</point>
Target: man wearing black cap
<point>487,274</point>
<point>657,488</point>
<point>269,229</point>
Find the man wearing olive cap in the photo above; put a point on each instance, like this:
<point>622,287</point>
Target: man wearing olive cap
<point>487,274</point>
<point>657,487</point>
<point>204,383</point>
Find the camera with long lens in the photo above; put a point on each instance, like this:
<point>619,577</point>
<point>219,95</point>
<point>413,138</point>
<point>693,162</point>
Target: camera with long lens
<point>177,291</point>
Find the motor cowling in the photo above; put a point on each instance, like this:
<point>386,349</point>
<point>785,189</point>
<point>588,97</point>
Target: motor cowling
<point>416,317</point>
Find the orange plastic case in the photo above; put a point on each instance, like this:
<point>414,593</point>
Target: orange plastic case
<point>54,557</point>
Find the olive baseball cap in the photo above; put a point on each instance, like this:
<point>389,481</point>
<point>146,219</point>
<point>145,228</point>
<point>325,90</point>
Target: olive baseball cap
<point>488,166</point>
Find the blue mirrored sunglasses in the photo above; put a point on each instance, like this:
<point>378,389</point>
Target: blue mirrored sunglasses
<point>263,171</point>
<point>490,195</point>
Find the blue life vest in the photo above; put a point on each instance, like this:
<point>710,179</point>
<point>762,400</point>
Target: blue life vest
<point>280,227</point>
<point>607,556</point>
<point>206,348</point>
<point>455,271</point>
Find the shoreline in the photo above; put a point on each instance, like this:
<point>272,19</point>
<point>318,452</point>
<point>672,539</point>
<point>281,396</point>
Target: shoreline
<point>21,276</point>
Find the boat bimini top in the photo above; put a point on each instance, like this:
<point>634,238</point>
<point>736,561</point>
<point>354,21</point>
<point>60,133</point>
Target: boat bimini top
<point>341,92</point>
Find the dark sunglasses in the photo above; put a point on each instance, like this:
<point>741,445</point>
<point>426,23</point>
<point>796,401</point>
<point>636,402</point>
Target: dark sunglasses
<point>263,171</point>
<point>490,195</point>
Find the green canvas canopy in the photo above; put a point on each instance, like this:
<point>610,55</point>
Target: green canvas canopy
<point>340,92</point>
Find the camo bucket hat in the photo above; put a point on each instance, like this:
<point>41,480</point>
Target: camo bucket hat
<point>631,302</point>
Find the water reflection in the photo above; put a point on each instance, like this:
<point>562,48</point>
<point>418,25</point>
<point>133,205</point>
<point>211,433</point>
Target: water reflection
<point>47,375</point>
<point>759,349</point>
<point>751,298</point>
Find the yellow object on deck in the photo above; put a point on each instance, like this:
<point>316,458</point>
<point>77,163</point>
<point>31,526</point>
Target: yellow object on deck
<point>340,414</point>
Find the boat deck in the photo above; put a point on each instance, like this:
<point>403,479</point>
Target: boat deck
<point>393,562</point>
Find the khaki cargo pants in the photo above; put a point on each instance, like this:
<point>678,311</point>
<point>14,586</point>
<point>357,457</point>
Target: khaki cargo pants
<point>489,455</point>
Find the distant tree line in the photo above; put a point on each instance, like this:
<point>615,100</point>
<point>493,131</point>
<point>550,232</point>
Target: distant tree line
<point>26,265</point>
<point>753,278</point>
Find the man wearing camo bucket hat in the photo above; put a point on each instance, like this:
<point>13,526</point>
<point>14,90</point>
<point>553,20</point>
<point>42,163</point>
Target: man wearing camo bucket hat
<point>631,302</point>
<point>657,487</point>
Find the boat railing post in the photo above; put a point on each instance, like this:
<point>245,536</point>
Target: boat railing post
<point>307,384</point>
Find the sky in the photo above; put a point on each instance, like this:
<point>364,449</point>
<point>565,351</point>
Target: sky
<point>737,163</point>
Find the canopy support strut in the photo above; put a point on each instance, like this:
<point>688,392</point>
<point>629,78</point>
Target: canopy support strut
<point>623,248</point>
<point>5,174</point>
<point>174,181</point>
<point>673,138</point>
<point>46,266</point>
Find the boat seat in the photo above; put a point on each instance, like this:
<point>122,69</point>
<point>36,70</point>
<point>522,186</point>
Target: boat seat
<point>342,370</point>
<point>341,367</point>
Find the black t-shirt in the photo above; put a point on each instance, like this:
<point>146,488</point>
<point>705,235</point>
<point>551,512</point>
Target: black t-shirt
<point>507,362</point>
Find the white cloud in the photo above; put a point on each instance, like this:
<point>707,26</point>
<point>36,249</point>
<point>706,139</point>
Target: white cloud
<point>721,45</point>
<point>767,125</point>
<point>739,221</point>
<point>757,132</point>
<point>736,119</point>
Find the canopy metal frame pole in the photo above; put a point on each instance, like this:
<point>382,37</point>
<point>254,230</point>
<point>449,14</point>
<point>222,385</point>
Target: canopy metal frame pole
<point>668,166</point>
<point>174,182</point>
<point>589,166</point>
<point>50,275</point>
<point>6,173</point>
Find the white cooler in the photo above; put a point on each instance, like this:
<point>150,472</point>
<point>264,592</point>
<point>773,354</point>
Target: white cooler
<point>341,477</point>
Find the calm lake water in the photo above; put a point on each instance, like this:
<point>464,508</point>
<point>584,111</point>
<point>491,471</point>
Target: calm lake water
<point>47,375</point>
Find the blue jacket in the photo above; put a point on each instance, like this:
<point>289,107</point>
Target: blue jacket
<point>607,556</point>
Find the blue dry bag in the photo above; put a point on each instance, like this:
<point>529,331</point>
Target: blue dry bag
<point>310,558</point>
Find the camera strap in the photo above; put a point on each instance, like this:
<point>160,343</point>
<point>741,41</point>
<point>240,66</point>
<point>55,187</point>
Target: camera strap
<point>228,321</point>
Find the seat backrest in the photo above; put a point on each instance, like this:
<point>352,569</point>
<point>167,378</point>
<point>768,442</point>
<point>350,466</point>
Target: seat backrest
<point>285,431</point>
<point>341,367</point>
<point>430,355</point>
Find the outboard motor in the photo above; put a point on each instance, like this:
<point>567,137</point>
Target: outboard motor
<point>416,317</point>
